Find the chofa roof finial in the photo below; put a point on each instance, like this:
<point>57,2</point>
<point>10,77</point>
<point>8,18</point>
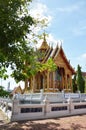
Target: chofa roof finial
<point>60,43</point>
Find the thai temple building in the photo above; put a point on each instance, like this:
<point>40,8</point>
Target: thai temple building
<point>58,80</point>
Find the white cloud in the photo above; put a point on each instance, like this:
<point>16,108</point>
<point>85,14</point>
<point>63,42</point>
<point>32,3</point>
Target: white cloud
<point>39,8</point>
<point>53,42</point>
<point>40,11</point>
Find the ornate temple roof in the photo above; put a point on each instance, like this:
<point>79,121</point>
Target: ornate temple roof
<point>49,52</point>
<point>17,90</point>
<point>53,53</point>
<point>66,60</point>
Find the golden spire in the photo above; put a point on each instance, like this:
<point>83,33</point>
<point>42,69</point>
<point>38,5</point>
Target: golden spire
<point>44,36</point>
<point>44,45</point>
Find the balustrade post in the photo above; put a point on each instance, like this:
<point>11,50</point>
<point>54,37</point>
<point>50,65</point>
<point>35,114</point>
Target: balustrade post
<point>70,101</point>
<point>47,105</point>
<point>15,109</point>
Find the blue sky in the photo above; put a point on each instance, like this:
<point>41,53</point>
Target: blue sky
<point>67,22</point>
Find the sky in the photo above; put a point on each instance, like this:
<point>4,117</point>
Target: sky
<point>67,24</point>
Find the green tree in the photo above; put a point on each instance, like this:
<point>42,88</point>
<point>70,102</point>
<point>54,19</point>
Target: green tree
<point>74,83</point>
<point>15,23</point>
<point>3,92</point>
<point>80,80</point>
<point>15,49</point>
<point>3,74</point>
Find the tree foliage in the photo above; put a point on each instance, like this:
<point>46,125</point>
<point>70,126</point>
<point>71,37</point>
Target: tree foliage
<point>3,92</point>
<point>80,80</point>
<point>74,81</point>
<point>26,64</point>
<point>3,73</point>
<point>48,66</point>
<point>15,23</point>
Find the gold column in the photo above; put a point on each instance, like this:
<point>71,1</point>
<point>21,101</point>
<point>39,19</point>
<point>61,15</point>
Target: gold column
<point>66,85</point>
<point>26,84</point>
<point>62,83</point>
<point>48,81</point>
<point>38,82</point>
<point>43,82</point>
<point>71,83</point>
<point>33,85</point>
<point>54,81</point>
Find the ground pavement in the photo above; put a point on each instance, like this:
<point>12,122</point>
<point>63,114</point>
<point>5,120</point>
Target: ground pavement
<point>65,123</point>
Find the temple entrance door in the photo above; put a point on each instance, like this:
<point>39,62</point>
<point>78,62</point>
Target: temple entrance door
<point>41,82</point>
<point>61,81</point>
<point>58,79</point>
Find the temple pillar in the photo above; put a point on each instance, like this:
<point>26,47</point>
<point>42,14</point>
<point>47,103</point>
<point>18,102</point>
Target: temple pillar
<point>33,84</point>
<point>71,83</point>
<point>26,84</point>
<point>43,82</point>
<point>62,82</point>
<point>48,81</point>
<point>30,83</point>
<point>66,85</point>
<point>67,82</point>
<point>39,82</point>
<point>54,81</point>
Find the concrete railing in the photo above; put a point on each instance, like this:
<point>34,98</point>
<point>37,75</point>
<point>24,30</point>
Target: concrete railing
<point>46,110</point>
<point>51,105</point>
<point>52,97</point>
<point>6,106</point>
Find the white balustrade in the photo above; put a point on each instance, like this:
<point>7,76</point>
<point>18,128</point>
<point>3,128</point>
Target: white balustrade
<point>43,105</point>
